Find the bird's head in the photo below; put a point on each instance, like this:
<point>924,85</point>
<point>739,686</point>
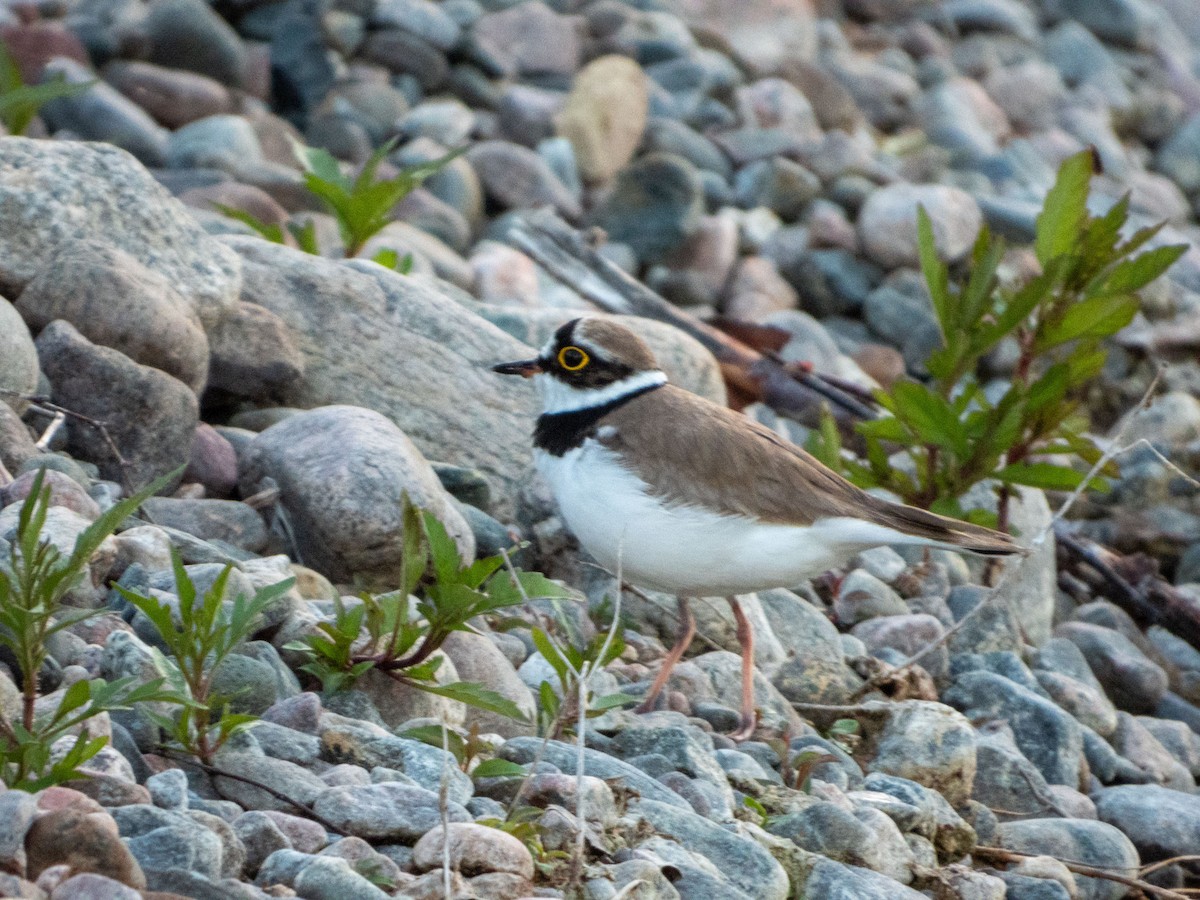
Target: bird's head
<point>588,362</point>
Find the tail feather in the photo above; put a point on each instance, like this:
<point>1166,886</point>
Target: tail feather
<point>943,531</point>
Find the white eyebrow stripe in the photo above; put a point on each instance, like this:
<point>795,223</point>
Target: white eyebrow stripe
<point>559,397</point>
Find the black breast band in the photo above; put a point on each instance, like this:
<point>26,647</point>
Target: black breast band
<point>556,433</point>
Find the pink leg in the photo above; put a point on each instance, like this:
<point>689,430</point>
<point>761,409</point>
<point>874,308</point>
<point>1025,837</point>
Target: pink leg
<point>745,634</point>
<point>687,623</point>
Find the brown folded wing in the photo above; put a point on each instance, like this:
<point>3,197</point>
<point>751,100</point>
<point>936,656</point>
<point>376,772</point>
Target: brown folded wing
<point>709,455</point>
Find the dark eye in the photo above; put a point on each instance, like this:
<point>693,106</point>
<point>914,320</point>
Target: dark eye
<point>572,358</point>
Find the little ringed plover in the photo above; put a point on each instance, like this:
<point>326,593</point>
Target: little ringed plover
<point>694,499</point>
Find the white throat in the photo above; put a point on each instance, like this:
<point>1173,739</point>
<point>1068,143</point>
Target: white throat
<point>558,397</point>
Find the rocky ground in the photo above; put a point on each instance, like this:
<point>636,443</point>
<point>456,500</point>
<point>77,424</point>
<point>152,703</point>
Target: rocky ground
<point>760,160</point>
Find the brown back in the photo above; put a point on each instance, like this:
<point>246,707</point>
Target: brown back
<point>719,458</point>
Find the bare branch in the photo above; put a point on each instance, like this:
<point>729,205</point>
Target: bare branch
<point>567,255</point>
<point>1000,855</point>
<point>278,795</point>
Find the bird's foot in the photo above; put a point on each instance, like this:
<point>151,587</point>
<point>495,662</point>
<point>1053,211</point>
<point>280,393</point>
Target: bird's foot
<point>746,729</point>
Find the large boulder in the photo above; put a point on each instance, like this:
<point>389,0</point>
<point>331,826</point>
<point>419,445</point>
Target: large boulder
<point>403,347</point>
<point>58,193</point>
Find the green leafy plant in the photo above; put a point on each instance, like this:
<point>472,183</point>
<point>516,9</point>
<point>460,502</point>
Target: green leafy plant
<point>466,749</point>
<point>34,583</point>
<point>522,824</point>
<point>800,767</point>
<point>200,634</point>
<point>20,102</point>
<point>954,433</point>
<point>382,632</point>
<point>558,710</point>
<point>362,204</point>
<point>761,815</point>
<point>845,733</point>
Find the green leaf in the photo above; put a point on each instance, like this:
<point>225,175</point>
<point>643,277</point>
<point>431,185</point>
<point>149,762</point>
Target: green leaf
<point>1044,475</point>
<point>548,702</point>
<point>387,257</point>
<point>610,701</point>
<point>268,230</point>
<point>844,726</point>
<point>538,586</point>
<point>499,768</point>
<point>479,571</point>
<point>93,536</point>
<point>1094,317</point>
<point>18,105</point>
<point>1100,240</point>
<point>825,442</point>
<point>750,803</point>
<point>1049,389</point>
<point>937,276</point>
<point>1138,239</point>
<point>438,736</point>
<point>321,164</point>
<point>1065,209</point>
<point>930,416</point>
<point>885,428</point>
<point>305,235</point>
<point>416,545</point>
<point>1134,274</point>
<point>982,283</point>
<point>474,694</point>
<point>442,549</point>
<point>551,654</point>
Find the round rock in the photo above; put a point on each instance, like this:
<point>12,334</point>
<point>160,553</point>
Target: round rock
<point>654,206</point>
<point>57,193</point>
<point>149,415</point>
<point>152,324</point>
<point>342,472</point>
<point>887,223</point>
<point>605,115</point>
<point>474,849</point>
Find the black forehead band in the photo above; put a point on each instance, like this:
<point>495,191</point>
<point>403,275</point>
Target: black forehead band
<point>566,333</point>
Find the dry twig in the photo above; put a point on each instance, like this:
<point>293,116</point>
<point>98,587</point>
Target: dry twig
<point>1000,855</point>
<point>565,253</point>
<point>59,414</point>
<point>278,795</point>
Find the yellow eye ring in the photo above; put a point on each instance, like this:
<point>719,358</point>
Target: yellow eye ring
<point>573,358</point>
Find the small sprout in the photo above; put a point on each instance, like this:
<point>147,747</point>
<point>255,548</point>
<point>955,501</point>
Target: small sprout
<point>34,583</point>
<point>201,635</point>
<point>956,434</point>
<point>382,632</point>
<point>556,710</point>
<point>845,732</point>
<point>803,764</point>
<point>754,806</point>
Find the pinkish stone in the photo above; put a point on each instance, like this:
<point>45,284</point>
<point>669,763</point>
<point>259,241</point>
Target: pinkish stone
<point>172,96</point>
<point>34,44</point>
<point>213,462</point>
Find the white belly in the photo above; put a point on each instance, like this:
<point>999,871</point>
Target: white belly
<point>688,550</point>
